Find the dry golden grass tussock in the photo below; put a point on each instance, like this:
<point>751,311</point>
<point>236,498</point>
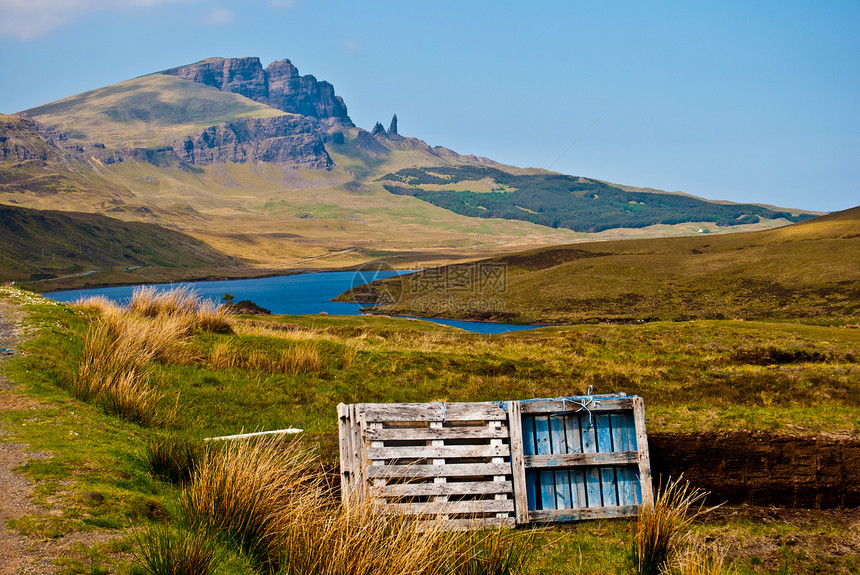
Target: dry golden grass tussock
<point>660,528</point>
<point>146,301</point>
<point>224,355</point>
<point>114,371</point>
<point>698,558</point>
<point>243,490</point>
<point>301,358</point>
<point>277,331</point>
<point>98,303</point>
<point>214,317</point>
<point>265,496</point>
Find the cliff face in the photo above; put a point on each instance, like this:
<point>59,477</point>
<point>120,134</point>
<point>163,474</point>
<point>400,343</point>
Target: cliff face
<point>279,85</point>
<point>285,140</point>
<point>280,140</point>
<point>22,139</point>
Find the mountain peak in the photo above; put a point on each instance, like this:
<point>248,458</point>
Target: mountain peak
<point>279,85</point>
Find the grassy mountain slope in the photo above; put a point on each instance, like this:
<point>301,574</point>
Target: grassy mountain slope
<point>146,111</point>
<point>807,270</point>
<point>44,244</point>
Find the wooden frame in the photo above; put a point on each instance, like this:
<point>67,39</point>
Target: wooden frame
<point>498,463</point>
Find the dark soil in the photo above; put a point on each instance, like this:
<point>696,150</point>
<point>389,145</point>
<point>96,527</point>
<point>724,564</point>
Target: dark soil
<point>821,472</point>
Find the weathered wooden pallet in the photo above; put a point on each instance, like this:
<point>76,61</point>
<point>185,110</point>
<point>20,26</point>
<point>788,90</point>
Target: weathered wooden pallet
<point>448,461</point>
<point>498,463</point>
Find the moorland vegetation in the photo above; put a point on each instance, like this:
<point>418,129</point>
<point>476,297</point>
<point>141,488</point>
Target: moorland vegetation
<point>198,373</point>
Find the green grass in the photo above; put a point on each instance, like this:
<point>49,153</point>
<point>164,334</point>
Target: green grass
<point>691,374</point>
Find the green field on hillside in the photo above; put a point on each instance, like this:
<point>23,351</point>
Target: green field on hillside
<point>807,271</point>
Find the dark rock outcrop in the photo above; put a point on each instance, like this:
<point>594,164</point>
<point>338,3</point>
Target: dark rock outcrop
<point>369,144</point>
<point>23,139</point>
<point>279,140</point>
<point>279,85</point>
<point>378,130</point>
<point>392,129</point>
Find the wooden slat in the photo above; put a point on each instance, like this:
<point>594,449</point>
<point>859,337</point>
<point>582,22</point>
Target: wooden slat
<point>432,411</point>
<point>477,523</point>
<point>642,448</point>
<point>447,470</point>
<point>573,440</point>
<point>518,468</point>
<point>450,488</point>
<point>529,449</point>
<point>583,513</point>
<point>561,478</point>
<point>343,431</point>
<point>429,433</point>
<point>609,487</point>
<point>603,403</point>
<point>622,425</point>
<point>574,459</point>
<point>499,478</point>
<point>591,474</point>
<point>546,479</point>
<point>358,447</point>
<point>450,507</point>
<point>442,451</point>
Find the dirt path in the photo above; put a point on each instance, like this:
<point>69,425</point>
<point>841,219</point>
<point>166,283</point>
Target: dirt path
<point>14,488</point>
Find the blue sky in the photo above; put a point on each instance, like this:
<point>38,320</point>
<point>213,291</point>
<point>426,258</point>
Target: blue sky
<point>741,101</point>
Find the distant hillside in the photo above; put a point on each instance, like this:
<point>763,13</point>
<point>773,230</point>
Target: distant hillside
<point>560,201</point>
<point>808,270</point>
<point>265,165</point>
<point>36,244</point>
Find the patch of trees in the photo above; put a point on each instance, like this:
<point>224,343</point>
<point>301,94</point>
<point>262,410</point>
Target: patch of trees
<point>560,201</point>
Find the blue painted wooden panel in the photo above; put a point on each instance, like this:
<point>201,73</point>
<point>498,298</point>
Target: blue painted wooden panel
<point>578,487</point>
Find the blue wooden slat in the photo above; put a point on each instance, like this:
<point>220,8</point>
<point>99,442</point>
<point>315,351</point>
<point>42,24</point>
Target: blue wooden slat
<point>631,431</point>
<point>563,495</point>
<point>608,485</point>
<point>634,470</point>
<point>621,442</point>
<point>573,442</point>
<point>578,491</point>
<point>637,485</point>
<point>558,444</point>
<point>529,449</point>
<point>592,475</point>
<point>529,435</point>
<point>546,479</point>
<point>557,438</point>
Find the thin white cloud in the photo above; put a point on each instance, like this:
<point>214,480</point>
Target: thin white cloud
<point>354,47</point>
<point>220,16</point>
<point>285,4</point>
<point>29,19</point>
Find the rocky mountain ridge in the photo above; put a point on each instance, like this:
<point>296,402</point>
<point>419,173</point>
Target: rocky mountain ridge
<point>279,85</point>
